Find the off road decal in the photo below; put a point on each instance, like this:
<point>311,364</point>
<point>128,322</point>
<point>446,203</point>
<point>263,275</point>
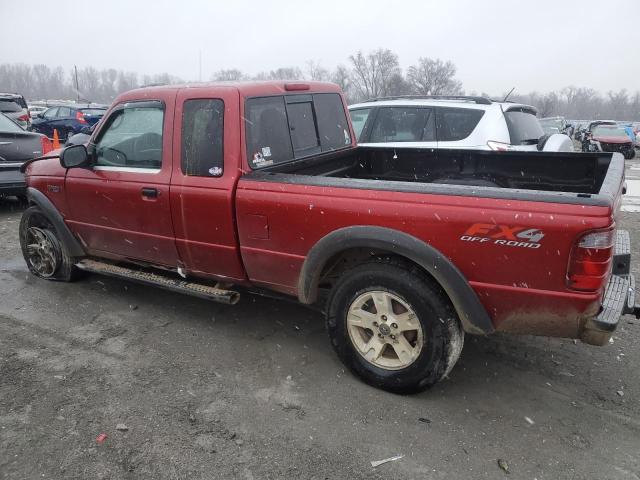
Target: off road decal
<point>523,237</point>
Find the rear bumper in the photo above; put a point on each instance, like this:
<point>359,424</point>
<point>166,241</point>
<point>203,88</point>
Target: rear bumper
<point>619,297</point>
<point>11,180</point>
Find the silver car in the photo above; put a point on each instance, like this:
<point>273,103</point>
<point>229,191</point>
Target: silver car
<point>15,107</point>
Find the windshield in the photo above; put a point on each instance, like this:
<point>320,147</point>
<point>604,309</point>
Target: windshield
<point>609,131</point>
<point>524,127</point>
<point>7,125</point>
<point>9,106</point>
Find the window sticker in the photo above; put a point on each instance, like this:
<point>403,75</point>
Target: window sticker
<point>266,151</point>
<point>215,171</point>
<point>259,160</point>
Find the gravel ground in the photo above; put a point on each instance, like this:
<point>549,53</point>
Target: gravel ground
<point>254,391</point>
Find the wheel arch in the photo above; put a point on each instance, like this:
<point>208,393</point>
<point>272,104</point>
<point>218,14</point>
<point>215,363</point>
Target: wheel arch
<point>471,312</point>
<point>73,246</point>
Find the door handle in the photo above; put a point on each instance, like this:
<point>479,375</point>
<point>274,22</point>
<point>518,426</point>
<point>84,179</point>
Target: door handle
<point>150,192</point>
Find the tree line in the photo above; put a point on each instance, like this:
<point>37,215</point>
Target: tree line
<point>365,75</point>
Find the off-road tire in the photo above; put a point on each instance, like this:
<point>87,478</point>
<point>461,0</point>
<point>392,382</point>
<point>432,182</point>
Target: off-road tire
<point>443,335</point>
<point>629,153</point>
<point>65,270</point>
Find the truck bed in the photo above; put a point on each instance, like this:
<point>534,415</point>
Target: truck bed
<point>582,178</point>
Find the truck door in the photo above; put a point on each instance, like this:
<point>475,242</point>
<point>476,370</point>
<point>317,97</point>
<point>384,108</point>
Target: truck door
<point>205,172</point>
<point>120,207</point>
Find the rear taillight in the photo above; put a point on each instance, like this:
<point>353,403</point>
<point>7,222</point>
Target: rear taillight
<point>498,146</point>
<point>46,144</point>
<point>80,117</point>
<point>24,118</point>
<point>590,262</point>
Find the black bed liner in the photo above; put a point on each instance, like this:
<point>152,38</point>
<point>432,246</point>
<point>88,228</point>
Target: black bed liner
<point>571,178</point>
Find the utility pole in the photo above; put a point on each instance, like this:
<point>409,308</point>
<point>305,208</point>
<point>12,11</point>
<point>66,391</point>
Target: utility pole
<point>200,65</point>
<point>77,88</point>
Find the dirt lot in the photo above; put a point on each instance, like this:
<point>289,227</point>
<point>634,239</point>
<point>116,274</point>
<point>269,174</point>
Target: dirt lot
<point>254,391</point>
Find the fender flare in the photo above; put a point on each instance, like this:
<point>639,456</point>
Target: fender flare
<point>74,248</point>
<point>471,312</point>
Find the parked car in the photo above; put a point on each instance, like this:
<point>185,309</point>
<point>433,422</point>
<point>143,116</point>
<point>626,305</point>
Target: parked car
<point>16,147</point>
<point>453,122</point>
<point>552,125</point>
<point>404,248</point>
<point>608,136</point>
<point>67,120</point>
<point>35,110</point>
<point>81,138</point>
<point>15,107</point>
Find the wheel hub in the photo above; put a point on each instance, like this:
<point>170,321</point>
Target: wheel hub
<point>385,330</point>
<point>41,251</point>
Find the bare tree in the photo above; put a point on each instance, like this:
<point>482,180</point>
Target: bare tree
<point>372,73</point>
<point>286,73</point>
<point>316,72</point>
<point>232,74</point>
<point>434,77</point>
<point>342,77</point>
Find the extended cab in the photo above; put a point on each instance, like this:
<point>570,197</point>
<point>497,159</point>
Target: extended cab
<point>214,189</point>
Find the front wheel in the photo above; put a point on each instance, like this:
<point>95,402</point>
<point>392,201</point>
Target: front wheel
<point>629,153</point>
<point>42,249</point>
<point>394,327</point>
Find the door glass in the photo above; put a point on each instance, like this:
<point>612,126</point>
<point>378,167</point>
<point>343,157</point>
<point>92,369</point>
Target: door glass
<point>358,119</point>
<point>51,113</point>
<point>202,138</point>
<point>64,112</point>
<point>132,138</point>
<point>457,123</point>
<point>402,124</point>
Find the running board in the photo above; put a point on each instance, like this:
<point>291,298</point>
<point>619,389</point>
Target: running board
<point>163,281</point>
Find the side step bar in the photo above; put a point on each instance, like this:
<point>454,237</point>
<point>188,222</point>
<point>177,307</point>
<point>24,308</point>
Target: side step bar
<point>163,281</point>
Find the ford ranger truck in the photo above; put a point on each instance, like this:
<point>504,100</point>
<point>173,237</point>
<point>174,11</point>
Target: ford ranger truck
<point>217,189</point>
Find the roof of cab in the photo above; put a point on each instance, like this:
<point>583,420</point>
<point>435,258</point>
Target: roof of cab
<point>246,89</point>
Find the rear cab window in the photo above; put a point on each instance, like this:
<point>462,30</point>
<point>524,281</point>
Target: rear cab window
<point>288,127</point>
<point>524,127</point>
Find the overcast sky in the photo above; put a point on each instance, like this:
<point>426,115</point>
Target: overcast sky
<point>496,44</point>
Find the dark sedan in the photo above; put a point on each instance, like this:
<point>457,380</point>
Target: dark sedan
<point>67,120</point>
<point>16,147</point>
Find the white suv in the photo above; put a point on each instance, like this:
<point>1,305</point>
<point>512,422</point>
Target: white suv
<point>473,123</point>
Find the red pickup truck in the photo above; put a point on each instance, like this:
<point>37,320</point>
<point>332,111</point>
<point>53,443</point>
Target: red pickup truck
<point>214,189</point>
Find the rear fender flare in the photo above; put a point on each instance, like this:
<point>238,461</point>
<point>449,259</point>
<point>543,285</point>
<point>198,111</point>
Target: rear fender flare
<point>73,246</point>
<point>471,312</point>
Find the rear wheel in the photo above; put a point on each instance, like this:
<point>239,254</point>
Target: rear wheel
<point>42,249</point>
<point>394,327</point>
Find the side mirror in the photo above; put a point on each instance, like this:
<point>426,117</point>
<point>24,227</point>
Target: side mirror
<point>86,130</point>
<point>74,156</point>
<point>40,115</point>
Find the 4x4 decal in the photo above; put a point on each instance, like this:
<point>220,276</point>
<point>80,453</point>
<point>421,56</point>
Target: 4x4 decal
<point>524,237</point>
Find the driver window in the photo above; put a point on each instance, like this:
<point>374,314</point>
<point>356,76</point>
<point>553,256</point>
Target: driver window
<point>132,138</point>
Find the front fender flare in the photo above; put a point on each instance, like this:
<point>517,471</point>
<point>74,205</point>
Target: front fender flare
<point>73,246</point>
<point>471,312</point>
